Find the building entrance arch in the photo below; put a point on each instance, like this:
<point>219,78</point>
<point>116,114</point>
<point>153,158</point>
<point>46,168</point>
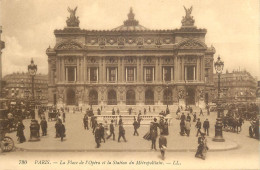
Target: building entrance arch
<point>149,97</point>
<point>93,97</point>
<point>111,97</point>
<point>71,97</point>
<point>167,97</point>
<point>130,97</point>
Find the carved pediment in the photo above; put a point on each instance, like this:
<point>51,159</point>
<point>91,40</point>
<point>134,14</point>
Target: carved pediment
<point>130,60</point>
<point>192,44</point>
<point>69,45</point>
<point>111,60</point>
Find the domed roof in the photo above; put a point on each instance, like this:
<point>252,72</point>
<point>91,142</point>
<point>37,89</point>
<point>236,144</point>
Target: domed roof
<point>130,24</point>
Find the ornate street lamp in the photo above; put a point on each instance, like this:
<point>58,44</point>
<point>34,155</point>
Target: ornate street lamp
<point>32,69</point>
<point>219,65</point>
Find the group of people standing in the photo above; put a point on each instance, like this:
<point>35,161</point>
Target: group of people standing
<point>185,125</point>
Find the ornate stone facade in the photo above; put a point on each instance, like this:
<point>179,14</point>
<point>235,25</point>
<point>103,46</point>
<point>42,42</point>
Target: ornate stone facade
<point>131,65</point>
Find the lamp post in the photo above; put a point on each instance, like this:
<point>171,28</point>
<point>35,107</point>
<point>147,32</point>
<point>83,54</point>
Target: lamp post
<point>219,65</point>
<point>32,69</point>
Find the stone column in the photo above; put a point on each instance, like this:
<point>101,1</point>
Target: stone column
<point>62,70</point>
<point>203,69</point>
<point>120,61</point>
<point>141,70</point>
<point>77,70</point>
<point>182,68</point>
<point>138,68</point>
<point>58,68</point>
<point>123,78</point>
<point>84,69</point>
<point>176,68</point>
<point>197,68</point>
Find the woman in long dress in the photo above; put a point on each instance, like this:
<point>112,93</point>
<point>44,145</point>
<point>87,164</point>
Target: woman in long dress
<point>20,133</point>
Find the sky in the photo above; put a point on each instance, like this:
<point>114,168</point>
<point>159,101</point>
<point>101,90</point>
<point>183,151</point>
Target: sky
<point>28,26</point>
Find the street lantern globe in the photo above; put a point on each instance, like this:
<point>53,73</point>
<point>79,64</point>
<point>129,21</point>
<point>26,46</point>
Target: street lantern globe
<point>219,65</point>
<point>32,68</point>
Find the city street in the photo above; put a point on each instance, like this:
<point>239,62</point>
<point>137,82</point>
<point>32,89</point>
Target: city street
<point>180,148</point>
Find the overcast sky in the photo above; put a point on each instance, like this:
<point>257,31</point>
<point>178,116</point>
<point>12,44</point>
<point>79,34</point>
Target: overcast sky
<point>28,25</point>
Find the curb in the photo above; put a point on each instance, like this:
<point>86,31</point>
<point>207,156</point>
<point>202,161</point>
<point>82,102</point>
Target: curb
<point>118,150</point>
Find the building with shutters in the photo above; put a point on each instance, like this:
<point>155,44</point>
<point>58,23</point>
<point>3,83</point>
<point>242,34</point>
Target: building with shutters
<point>19,86</point>
<point>237,86</point>
<point>130,65</point>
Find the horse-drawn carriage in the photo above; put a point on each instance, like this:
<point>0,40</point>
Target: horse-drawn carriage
<point>232,124</point>
<point>52,115</point>
<point>6,143</point>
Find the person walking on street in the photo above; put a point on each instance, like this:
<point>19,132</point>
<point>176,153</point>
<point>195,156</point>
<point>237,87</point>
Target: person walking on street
<point>206,126</point>
<point>198,126</point>
<point>201,112</point>
<point>102,132</point>
<point>97,136</point>
<point>194,117</point>
<point>112,129</point>
<point>162,145</point>
<point>182,126</point>
<point>117,111</point>
<point>121,132</point>
<point>44,126</point>
<point>153,133</point>
<point>62,131</point>
<point>85,121</point>
<point>136,126</point>
<point>187,127</point>
<point>188,117</point>
<point>202,148</point>
<point>183,117</point>
<point>20,133</point>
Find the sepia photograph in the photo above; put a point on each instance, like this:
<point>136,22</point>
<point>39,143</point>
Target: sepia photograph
<point>129,84</point>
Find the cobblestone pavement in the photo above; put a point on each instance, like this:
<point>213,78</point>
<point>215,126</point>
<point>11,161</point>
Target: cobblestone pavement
<point>79,139</point>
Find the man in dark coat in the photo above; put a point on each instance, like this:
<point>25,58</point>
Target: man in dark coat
<point>62,131</point>
<point>182,127</point>
<point>120,120</point>
<point>206,126</point>
<point>162,145</point>
<point>188,117</point>
<point>121,132</point>
<point>194,117</point>
<point>57,127</point>
<point>136,126</point>
<point>201,112</point>
<point>97,136</point>
<point>198,126</point>
<point>102,132</point>
<point>44,126</point>
<point>85,121</point>
<point>183,117</point>
<point>153,133</point>
<point>112,130</point>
